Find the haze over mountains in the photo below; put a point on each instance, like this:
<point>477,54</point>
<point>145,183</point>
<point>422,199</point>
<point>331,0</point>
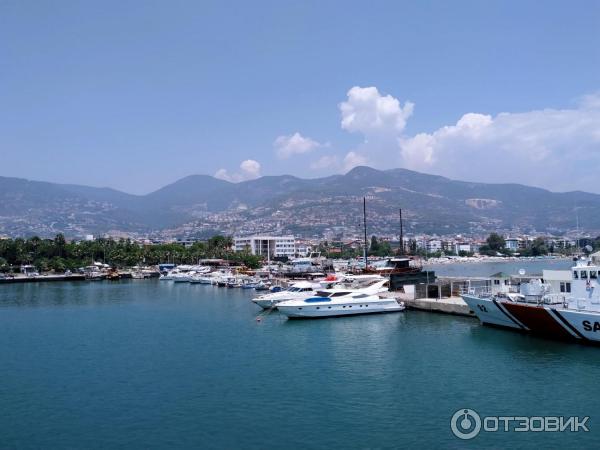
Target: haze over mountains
<point>200,205</point>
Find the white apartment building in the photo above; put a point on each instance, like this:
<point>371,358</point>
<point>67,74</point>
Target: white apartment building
<point>462,247</point>
<point>514,244</point>
<point>273,246</point>
<point>434,245</point>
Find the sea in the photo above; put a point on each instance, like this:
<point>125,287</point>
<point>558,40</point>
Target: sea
<point>145,364</point>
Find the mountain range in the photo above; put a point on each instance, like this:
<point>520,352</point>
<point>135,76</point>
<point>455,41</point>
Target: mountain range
<point>200,205</point>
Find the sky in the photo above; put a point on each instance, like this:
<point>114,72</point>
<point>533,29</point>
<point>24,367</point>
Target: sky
<point>134,95</point>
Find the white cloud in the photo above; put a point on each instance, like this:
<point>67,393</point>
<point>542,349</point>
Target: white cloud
<point>326,162</point>
<point>333,162</point>
<point>558,149</point>
<point>295,144</point>
<point>250,170</point>
<point>353,159</point>
<point>368,112</point>
<point>555,149</point>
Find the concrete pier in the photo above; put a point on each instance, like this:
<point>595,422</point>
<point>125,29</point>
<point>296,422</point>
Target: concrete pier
<point>445,305</point>
<point>42,278</point>
<point>449,305</point>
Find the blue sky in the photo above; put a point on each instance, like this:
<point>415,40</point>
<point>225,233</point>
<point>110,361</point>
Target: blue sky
<point>134,95</point>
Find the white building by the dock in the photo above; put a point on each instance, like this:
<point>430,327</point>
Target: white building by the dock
<point>273,246</point>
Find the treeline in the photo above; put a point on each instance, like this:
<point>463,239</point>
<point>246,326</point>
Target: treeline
<point>59,255</point>
<point>377,247</point>
<point>496,244</point>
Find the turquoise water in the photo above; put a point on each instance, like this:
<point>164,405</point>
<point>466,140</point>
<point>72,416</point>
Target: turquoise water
<point>149,364</point>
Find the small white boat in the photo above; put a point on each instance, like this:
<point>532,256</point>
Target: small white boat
<point>183,277</point>
<point>170,275</point>
<point>342,302</point>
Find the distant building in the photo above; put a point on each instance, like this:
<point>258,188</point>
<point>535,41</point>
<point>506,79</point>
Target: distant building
<point>462,247</point>
<point>514,244</point>
<point>303,249</point>
<point>273,246</point>
<point>434,245</point>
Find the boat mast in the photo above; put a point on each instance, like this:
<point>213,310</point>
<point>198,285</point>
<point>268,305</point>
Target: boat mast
<point>365,227</point>
<point>401,235</point>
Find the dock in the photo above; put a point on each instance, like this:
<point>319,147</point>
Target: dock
<point>42,278</point>
<point>449,305</point>
<point>445,305</point>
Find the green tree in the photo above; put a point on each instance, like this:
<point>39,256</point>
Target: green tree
<point>374,247</point>
<point>496,242</point>
<point>60,244</point>
<point>538,247</point>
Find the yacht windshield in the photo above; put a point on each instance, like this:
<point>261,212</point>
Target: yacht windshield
<point>338,294</point>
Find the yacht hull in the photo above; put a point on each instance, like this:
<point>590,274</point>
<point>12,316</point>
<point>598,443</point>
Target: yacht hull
<point>338,310</point>
<point>265,303</point>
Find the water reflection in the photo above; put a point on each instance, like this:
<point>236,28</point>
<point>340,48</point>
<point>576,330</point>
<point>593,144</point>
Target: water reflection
<point>79,293</point>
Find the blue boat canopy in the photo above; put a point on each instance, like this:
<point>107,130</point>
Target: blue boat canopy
<point>317,300</point>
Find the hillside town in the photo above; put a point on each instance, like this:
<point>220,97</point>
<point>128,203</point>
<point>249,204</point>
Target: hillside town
<point>121,251</point>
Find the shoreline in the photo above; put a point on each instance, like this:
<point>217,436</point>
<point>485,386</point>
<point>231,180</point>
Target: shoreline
<point>491,259</point>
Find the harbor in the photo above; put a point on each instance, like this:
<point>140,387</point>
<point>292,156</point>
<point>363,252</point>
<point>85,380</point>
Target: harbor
<point>181,359</point>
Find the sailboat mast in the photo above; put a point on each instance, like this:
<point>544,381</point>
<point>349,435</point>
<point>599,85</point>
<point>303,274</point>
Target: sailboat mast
<point>401,235</point>
<point>365,227</point>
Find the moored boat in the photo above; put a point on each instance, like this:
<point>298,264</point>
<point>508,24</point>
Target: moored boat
<point>573,314</point>
<point>342,302</point>
<point>297,290</point>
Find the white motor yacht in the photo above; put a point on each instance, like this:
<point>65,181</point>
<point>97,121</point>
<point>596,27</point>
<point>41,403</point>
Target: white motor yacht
<point>342,302</point>
<point>298,290</point>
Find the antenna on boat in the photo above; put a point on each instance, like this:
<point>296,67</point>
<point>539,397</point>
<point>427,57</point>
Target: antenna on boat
<point>577,224</point>
<point>401,235</point>
<point>365,227</point>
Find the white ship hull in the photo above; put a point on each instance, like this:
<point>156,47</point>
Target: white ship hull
<point>366,306</point>
<point>491,312</point>
<point>582,325</point>
<point>269,301</point>
<point>548,320</point>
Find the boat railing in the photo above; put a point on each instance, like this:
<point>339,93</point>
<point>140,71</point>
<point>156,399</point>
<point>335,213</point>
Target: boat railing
<point>582,303</point>
<point>479,291</point>
<point>554,299</point>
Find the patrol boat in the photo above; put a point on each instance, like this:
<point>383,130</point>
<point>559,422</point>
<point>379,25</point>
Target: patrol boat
<point>572,315</point>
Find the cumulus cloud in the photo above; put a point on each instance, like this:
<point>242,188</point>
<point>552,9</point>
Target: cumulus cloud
<point>294,144</point>
<point>353,159</point>
<point>368,112</point>
<point>335,163</point>
<point>558,149</point>
<point>249,170</point>
<point>326,162</point>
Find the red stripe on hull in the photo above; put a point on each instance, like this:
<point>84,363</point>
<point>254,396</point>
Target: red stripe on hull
<point>538,320</point>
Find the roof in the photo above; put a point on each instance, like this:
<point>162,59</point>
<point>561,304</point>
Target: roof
<point>500,275</point>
